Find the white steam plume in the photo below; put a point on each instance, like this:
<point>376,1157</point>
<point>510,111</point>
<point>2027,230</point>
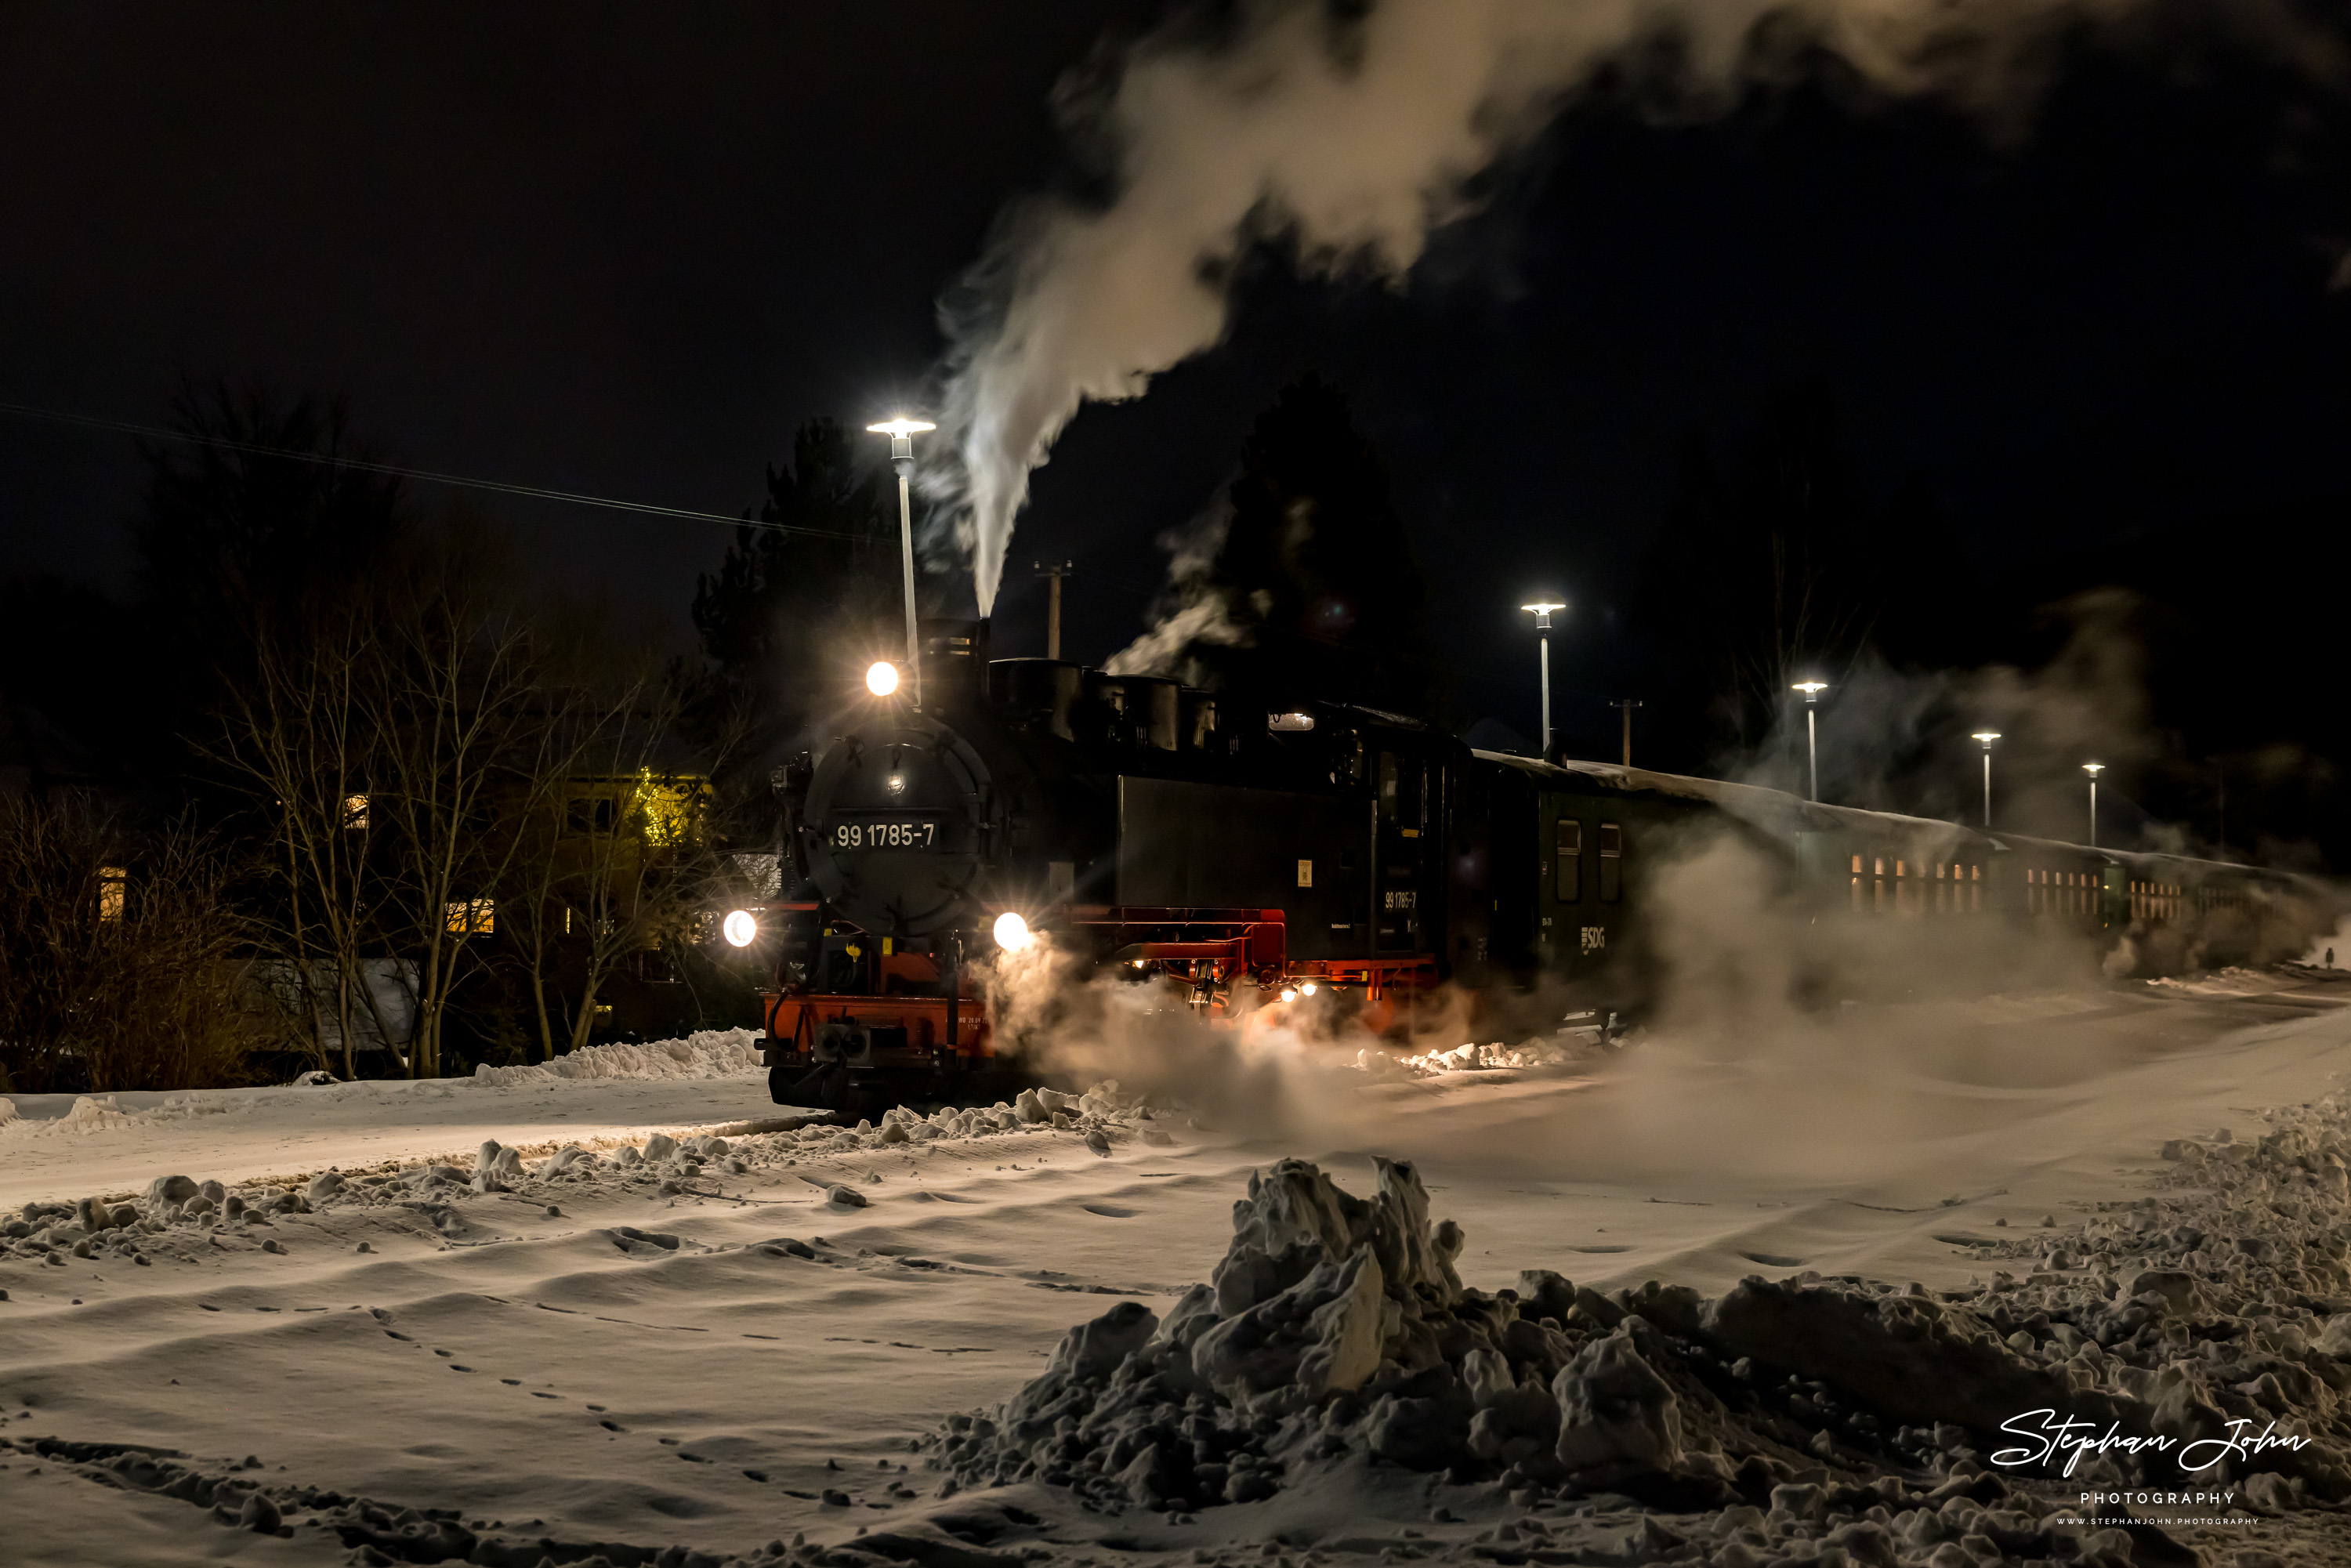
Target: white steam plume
<point>1351,140</point>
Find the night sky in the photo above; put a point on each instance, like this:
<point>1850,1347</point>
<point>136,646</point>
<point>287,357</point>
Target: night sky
<point>626,250</point>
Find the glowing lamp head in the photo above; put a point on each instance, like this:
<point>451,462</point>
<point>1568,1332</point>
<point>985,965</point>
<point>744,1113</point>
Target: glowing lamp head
<point>2093,768</point>
<point>1986,736</point>
<point>739,927</point>
<point>901,426</point>
<point>1541,610</point>
<point>1013,933</point>
<point>882,678</point>
<point>1812,689</point>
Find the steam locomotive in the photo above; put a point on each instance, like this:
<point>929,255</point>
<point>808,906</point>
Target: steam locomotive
<point>1318,857</point>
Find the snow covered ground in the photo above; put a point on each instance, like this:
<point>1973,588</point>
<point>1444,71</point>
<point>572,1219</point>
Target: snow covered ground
<point>692,1355</point>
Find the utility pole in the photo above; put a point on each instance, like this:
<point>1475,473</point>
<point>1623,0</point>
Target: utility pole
<point>1053,575</point>
<point>1627,704</point>
<point>2221,770</point>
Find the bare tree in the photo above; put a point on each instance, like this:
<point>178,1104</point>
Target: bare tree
<point>119,961</point>
<point>303,734</point>
<point>473,745</point>
<point>560,896</point>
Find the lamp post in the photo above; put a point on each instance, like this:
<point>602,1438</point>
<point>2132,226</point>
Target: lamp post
<point>2094,769</point>
<point>902,431</point>
<point>1813,690</point>
<point>1987,737</point>
<point>1541,612</point>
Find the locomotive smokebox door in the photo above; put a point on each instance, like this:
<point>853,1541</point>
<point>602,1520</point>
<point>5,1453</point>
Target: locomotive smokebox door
<point>894,833</point>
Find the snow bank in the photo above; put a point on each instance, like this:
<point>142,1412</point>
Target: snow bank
<point>710,1053</point>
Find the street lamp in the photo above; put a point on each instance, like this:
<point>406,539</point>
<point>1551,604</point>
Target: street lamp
<point>1541,612</point>
<point>1813,690</point>
<point>1987,737</point>
<point>2094,769</point>
<point>902,431</point>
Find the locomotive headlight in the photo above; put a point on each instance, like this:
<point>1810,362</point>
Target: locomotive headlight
<point>739,927</point>
<point>882,679</point>
<point>1307,989</point>
<point>1013,933</point>
<point>1288,995</point>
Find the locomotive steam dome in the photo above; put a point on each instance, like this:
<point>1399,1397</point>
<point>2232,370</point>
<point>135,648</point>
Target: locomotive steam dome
<point>894,831</point>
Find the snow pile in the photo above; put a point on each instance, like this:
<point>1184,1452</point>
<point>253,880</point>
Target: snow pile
<point>7,1111</point>
<point>1791,1414</point>
<point>2234,981</point>
<point>1537,1053</point>
<point>1566,1047</point>
<point>87,1115</point>
<point>709,1053</point>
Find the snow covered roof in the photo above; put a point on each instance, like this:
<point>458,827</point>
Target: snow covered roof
<point>1773,809</point>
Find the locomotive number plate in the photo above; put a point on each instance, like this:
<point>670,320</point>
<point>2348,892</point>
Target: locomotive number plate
<point>886,833</point>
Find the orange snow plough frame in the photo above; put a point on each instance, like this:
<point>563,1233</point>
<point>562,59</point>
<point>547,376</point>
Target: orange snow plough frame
<point>907,1019</point>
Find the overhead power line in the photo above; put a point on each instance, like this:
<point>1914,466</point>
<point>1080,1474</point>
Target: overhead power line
<point>498,486</point>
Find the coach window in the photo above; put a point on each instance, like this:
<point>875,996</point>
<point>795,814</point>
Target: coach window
<point>1612,862</point>
<point>1570,885</point>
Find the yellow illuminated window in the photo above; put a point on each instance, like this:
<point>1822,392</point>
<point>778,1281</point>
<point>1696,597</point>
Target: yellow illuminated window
<point>472,916</point>
<point>113,881</point>
<point>355,812</point>
<point>667,807</point>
